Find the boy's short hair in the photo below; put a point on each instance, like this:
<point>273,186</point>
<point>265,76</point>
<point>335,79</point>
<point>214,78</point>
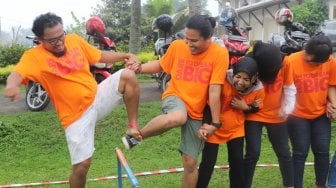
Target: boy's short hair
<point>320,47</point>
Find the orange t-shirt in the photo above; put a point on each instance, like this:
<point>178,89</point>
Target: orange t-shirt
<point>231,118</point>
<point>191,75</point>
<point>312,83</point>
<point>67,79</point>
<point>273,98</point>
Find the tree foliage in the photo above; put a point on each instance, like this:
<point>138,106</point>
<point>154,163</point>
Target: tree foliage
<point>116,14</point>
<point>154,8</point>
<point>310,13</point>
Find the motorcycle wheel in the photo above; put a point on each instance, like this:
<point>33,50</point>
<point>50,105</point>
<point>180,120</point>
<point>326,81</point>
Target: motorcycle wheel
<point>36,97</point>
<point>165,82</point>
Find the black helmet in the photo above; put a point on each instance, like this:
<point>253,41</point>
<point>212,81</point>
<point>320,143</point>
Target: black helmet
<point>164,22</point>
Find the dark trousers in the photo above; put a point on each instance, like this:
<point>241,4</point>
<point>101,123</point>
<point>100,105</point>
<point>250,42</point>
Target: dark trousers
<point>314,133</point>
<point>235,159</point>
<point>278,136</point>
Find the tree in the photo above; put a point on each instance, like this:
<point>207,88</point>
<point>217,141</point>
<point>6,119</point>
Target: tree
<point>135,35</point>
<point>154,8</point>
<point>116,14</point>
<point>310,13</point>
<point>195,7</point>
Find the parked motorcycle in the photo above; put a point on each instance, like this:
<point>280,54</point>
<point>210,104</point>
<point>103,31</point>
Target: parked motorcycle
<point>96,31</point>
<point>36,97</point>
<point>235,38</point>
<point>164,24</point>
<point>295,35</point>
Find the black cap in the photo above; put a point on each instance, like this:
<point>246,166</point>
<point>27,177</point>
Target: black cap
<point>247,65</point>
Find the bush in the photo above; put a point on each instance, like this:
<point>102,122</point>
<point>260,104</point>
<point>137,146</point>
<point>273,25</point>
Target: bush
<point>4,73</point>
<point>144,57</point>
<point>11,55</point>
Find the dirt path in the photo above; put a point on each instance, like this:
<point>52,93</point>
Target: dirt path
<point>149,92</point>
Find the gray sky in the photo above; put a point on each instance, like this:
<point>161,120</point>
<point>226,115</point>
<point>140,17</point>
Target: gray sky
<point>15,13</point>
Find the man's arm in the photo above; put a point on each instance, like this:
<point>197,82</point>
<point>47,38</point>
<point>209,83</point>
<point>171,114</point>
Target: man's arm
<point>12,89</point>
<point>148,68</point>
<point>215,101</point>
<point>112,57</point>
<point>215,107</point>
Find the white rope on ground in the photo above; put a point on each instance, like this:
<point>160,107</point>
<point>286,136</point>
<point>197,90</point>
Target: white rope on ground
<point>155,172</point>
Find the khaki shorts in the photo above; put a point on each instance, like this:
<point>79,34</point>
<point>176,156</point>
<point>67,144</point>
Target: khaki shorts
<point>190,143</point>
<point>80,134</point>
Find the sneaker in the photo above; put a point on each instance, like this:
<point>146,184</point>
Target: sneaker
<point>129,141</point>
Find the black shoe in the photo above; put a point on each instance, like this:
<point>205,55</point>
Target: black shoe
<point>129,141</point>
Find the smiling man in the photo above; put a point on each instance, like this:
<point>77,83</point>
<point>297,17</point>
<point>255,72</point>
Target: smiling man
<point>197,66</point>
<point>60,63</point>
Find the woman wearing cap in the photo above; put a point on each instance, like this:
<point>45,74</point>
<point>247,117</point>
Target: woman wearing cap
<point>242,93</point>
<point>278,104</point>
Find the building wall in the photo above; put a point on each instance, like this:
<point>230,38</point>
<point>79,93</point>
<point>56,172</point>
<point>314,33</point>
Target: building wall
<point>332,9</point>
<point>264,32</point>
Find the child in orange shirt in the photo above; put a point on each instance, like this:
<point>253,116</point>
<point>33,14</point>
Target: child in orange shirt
<point>242,93</point>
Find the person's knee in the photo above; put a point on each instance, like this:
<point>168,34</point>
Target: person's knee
<point>177,118</point>
<point>189,163</point>
<point>82,168</point>
<point>128,76</point>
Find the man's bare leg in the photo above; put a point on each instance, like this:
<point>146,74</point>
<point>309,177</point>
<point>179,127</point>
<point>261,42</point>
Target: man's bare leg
<point>78,174</point>
<point>129,87</point>
<point>160,124</point>
<point>190,173</point>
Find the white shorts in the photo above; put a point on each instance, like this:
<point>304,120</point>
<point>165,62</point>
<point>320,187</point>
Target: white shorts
<point>80,134</point>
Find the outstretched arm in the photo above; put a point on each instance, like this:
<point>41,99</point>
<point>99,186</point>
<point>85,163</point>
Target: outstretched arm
<point>113,57</point>
<point>12,89</point>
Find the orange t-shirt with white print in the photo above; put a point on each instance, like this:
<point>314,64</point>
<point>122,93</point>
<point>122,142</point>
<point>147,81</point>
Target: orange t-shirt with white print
<point>273,98</point>
<point>191,75</point>
<point>231,118</point>
<point>67,79</point>
<point>311,82</point>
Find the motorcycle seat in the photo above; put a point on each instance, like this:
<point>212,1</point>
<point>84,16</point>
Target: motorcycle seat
<point>237,38</point>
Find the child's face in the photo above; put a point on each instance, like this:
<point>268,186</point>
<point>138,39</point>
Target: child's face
<point>241,81</point>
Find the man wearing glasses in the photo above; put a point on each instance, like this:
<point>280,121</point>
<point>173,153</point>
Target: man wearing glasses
<point>60,63</point>
<point>314,71</point>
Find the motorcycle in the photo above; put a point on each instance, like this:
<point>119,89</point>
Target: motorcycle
<point>235,38</point>
<point>96,31</point>
<point>295,35</point>
<point>163,23</point>
<point>36,97</point>
<point>293,39</point>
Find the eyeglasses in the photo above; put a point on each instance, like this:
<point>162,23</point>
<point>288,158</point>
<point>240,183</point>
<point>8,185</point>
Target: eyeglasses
<point>54,41</point>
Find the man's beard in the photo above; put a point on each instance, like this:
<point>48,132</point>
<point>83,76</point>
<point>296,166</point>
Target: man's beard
<point>59,54</point>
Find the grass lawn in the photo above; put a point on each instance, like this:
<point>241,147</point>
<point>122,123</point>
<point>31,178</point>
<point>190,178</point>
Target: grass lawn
<point>33,149</point>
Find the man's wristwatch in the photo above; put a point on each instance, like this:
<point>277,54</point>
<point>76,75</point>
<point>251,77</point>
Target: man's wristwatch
<point>217,125</point>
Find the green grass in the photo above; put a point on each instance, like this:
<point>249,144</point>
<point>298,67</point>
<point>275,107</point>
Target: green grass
<point>33,149</point>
